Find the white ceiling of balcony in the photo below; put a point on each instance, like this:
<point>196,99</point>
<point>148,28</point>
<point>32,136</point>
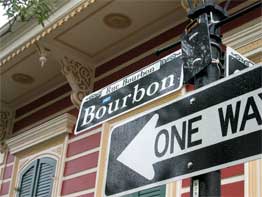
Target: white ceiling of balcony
<point>99,41</point>
<point>88,34</point>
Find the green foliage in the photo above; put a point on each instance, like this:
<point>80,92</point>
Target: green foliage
<point>24,10</point>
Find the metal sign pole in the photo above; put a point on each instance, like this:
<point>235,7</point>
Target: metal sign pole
<point>207,184</point>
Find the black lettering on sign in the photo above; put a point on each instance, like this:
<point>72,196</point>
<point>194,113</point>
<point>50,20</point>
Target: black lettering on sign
<point>251,104</point>
<point>229,117</point>
<point>181,140</point>
<point>163,132</point>
<point>191,131</point>
<point>250,112</point>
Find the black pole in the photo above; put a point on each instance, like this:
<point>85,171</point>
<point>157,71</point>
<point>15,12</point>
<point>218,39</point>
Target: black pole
<point>209,184</point>
<point>230,18</point>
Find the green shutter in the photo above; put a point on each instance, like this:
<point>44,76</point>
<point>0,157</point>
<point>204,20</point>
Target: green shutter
<point>37,178</point>
<point>27,180</point>
<point>152,192</point>
<point>44,182</point>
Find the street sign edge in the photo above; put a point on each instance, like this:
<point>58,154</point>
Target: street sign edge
<point>196,173</point>
<point>189,94</point>
<point>163,105</point>
<point>124,112</point>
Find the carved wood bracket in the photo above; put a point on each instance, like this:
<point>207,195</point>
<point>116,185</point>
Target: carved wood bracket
<point>5,118</point>
<point>79,77</point>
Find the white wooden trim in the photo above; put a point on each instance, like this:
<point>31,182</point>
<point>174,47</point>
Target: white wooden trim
<point>60,125</point>
<point>7,180</point>
<point>85,135</point>
<point>62,166</point>
<point>185,190</point>
<point>50,117</point>
<point>179,188</point>
<point>259,177</point>
<point>97,149</point>
<point>244,34</point>
<point>9,164</point>
<point>233,179</point>
<point>78,174</point>
<point>89,191</point>
<point>21,37</point>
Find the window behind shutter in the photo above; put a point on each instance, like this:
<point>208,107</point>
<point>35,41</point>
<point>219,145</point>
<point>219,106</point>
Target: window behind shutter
<point>152,192</point>
<point>44,182</point>
<point>37,179</point>
<point>27,180</point>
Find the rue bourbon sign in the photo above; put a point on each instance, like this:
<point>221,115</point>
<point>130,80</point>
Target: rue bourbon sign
<point>154,81</point>
<point>211,128</point>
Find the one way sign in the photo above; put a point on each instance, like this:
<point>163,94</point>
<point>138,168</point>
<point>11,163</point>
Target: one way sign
<point>212,128</point>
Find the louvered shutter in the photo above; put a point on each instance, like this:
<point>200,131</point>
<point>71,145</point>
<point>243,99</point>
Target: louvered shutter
<point>152,192</point>
<point>27,180</point>
<point>37,179</point>
<point>45,175</point>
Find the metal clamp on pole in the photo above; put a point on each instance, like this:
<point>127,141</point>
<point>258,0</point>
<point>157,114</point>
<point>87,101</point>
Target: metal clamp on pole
<point>202,56</point>
<point>203,63</point>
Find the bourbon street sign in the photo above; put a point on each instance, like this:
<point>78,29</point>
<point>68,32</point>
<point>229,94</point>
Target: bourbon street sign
<point>156,80</point>
<point>213,127</point>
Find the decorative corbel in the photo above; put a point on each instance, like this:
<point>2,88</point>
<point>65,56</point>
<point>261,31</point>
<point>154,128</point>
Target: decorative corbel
<point>5,118</point>
<point>79,77</point>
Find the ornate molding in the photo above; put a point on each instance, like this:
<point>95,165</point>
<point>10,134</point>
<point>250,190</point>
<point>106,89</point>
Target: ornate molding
<point>40,33</point>
<point>79,77</point>
<point>5,118</point>
<point>60,125</point>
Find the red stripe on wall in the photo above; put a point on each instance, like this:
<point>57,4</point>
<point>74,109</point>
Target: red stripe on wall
<point>185,195</point>
<point>84,144</point>
<point>233,189</point>
<point>82,163</point>
<point>186,182</point>
<point>232,171</point>
<point>72,135</point>
<point>225,173</point>
<point>52,95</point>
<point>5,188</point>
<point>229,190</point>
<point>79,184</point>
<point>43,113</point>
<point>87,195</point>
<point>10,158</point>
<point>8,172</point>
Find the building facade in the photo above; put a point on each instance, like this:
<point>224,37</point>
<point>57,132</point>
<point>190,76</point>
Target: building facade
<point>87,45</point>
